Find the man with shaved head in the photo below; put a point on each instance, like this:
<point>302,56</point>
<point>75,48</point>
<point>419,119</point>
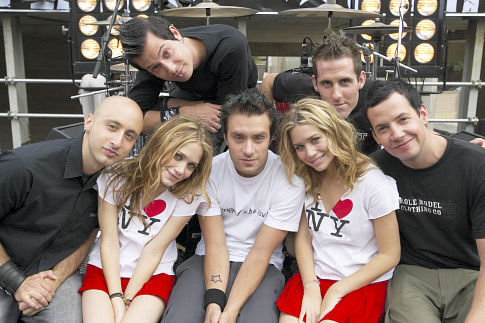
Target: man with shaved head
<point>48,213</point>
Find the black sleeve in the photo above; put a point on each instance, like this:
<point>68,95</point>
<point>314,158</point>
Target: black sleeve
<point>15,183</point>
<point>236,70</point>
<point>146,91</point>
<point>290,87</point>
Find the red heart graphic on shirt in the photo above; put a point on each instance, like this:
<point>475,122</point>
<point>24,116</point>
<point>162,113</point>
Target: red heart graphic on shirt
<point>342,208</point>
<point>154,208</point>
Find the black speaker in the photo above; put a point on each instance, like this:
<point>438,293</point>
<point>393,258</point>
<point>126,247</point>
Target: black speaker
<point>68,131</point>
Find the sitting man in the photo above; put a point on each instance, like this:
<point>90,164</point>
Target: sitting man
<point>337,78</point>
<point>441,184</point>
<point>48,213</point>
<point>204,63</point>
<point>252,207</point>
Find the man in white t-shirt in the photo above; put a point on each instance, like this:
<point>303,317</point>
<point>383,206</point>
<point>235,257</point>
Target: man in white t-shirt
<point>252,208</point>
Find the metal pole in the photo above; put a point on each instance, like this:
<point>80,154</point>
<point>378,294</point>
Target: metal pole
<point>12,80</point>
<point>17,93</point>
<point>15,116</point>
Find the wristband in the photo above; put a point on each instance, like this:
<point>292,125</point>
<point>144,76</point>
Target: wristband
<point>167,114</point>
<point>11,277</point>
<point>116,295</point>
<point>215,295</point>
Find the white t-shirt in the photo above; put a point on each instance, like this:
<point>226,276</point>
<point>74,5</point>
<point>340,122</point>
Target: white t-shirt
<point>247,203</point>
<point>133,235</point>
<point>344,239</point>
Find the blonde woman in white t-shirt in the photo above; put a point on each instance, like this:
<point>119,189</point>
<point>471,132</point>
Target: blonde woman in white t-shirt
<point>144,202</point>
<point>347,244</point>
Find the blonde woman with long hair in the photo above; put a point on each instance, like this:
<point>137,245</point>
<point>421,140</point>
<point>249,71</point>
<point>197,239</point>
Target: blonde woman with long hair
<point>144,202</point>
<point>347,243</point>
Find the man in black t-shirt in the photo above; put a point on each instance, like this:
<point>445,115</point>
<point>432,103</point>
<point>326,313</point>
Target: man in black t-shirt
<point>204,65</point>
<point>337,78</point>
<point>441,184</point>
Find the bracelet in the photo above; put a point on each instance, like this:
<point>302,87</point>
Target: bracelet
<point>311,281</point>
<point>169,113</point>
<point>116,295</point>
<point>127,301</point>
<point>11,277</point>
<point>215,295</point>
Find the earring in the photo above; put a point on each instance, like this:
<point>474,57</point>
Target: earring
<point>86,131</point>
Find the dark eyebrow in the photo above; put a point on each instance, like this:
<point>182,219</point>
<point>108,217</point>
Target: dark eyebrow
<point>158,54</point>
<point>119,125</point>
<point>185,157</point>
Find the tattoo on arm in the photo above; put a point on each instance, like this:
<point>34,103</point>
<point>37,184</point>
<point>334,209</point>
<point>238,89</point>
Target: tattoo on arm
<point>216,278</point>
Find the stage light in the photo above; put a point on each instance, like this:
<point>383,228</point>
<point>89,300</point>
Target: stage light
<point>142,16</point>
<point>391,51</point>
<point>366,23</point>
<point>425,29</point>
<point>90,48</point>
<point>116,48</point>
<point>424,53</point>
<point>394,7</point>
<point>396,23</point>
<point>86,5</point>
<point>110,4</point>
<point>114,31</point>
<point>86,25</point>
<point>427,7</point>
<point>142,5</point>
<point>371,5</point>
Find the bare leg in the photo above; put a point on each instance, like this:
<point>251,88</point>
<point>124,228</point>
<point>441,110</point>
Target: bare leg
<point>144,308</point>
<point>97,307</point>
<point>287,318</point>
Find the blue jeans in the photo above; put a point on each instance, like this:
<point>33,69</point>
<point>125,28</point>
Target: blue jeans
<point>64,307</point>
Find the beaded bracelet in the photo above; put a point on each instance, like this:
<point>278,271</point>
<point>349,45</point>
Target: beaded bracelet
<point>311,281</point>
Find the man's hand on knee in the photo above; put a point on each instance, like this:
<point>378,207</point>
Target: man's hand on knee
<point>212,313</point>
<point>36,292</point>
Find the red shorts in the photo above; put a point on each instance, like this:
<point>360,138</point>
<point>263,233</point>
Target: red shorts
<point>364,305</point>
<point>159,285</point>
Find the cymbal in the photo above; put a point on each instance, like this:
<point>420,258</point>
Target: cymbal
<point>211,9</point>
<point>121,68</point>
<point>376,28</point>
<point>121,20</point>
<point>330,10</point>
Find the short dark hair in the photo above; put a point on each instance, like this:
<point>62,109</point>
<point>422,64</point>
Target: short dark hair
<point>133,34</point>
<point>335,46</point>
<point>250,102</point>
<point>382,90</point>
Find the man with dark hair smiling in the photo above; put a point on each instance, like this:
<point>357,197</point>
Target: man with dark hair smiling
<point>441,184</point>
<point>204,64</point>
<point>253,206</point>
<point>48,213</point>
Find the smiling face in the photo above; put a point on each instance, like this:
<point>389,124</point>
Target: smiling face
<point>311,147</point>
<point>248,139</point>
<point>110,133</point>
<point>170,60</point>
<point>338,84</point>
<point>399,129</point>
<point>182,164</point>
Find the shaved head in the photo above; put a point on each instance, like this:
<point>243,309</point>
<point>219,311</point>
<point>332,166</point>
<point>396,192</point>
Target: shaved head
<point>110,132</point>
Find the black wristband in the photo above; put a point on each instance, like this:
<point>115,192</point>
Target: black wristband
<point>168,113</point>
<point>116,295</point>
<point>215,295</point>
<point>11,277</point>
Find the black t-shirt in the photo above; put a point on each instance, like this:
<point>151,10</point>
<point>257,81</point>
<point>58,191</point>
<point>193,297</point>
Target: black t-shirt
<point>47,207</point>
<point>291,86</point>
<point>442,207</point>
<point>228,69</point>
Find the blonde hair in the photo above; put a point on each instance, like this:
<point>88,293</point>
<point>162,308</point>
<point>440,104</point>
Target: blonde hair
<point>135,177</point>
<point>341,141</point>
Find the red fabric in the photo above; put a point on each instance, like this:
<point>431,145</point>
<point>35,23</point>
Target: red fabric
<point>159,285</point>
<point>282,107</point>
<point>364,305</point>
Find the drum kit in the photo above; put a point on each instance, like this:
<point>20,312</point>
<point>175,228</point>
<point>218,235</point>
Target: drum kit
<point>208,9</point>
